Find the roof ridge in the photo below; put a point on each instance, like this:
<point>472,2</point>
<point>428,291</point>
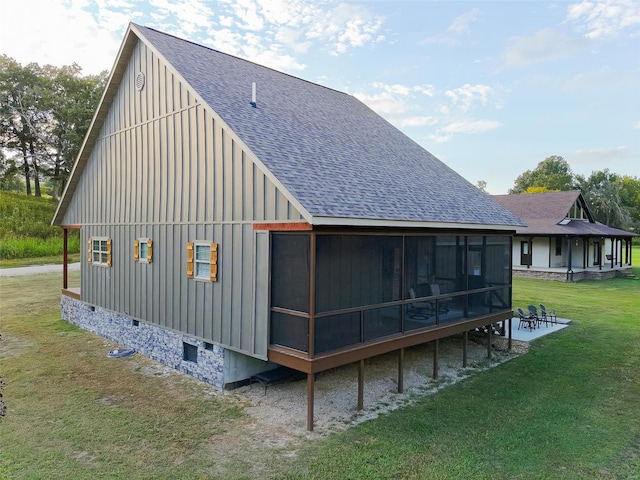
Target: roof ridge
<point>240,58</point>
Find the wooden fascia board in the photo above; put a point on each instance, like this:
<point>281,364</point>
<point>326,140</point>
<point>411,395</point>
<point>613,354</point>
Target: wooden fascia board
<point>113,83</point>
<point>252,156</point>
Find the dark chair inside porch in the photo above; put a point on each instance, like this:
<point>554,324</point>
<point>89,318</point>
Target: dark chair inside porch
<point>547,316</point>
<point>526,320</point>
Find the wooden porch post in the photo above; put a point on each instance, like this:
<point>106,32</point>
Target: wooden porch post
<point>361,385</point>
<point>65,258</point>
<point>310,400</point>
<point>312,309</point>
<point>489,341</point>
<point>401,370</point>
<point>600,254</point>
<point>435,358</point>
<point>510,333</point>
<point>465,340</point>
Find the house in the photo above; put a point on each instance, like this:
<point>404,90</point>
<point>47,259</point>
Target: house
<point>234,218</point>
<point>562,240</point>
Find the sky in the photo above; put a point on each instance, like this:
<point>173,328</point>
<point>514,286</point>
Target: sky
<point>491,88</point>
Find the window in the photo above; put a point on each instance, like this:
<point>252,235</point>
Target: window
<point>143,250</point>
<point>558,246</point>
<point>202,260</point>
<point>189,352</point>
<point>99,251</point>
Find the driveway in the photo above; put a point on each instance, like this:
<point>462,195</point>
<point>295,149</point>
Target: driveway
<point>36,269</point>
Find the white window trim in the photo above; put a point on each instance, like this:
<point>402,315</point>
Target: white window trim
<point>206,245</point>
<point>99,252</point>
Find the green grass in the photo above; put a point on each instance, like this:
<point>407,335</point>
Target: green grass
<point>567,409</point>
<point>26,231</point>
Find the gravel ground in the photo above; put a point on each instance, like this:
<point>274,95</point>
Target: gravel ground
<point>283,408</point>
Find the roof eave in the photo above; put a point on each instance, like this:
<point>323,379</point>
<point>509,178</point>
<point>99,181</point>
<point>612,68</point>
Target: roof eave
<point>366,222</point>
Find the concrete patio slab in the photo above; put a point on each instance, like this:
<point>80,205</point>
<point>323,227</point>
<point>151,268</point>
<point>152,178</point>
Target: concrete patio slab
<point>525,335</point>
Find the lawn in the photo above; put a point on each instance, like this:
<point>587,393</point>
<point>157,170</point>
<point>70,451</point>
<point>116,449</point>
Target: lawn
<point>567,409</point>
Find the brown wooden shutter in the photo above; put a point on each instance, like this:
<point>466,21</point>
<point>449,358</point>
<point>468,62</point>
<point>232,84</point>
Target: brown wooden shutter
<point>213,262</point>
<point>149,250</point>
<point>189,259</point>
<point>108,252</point>
<point>136,250</point>
<point>89,251</point>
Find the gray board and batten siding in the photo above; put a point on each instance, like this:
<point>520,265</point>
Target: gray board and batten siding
<point>164,167</point>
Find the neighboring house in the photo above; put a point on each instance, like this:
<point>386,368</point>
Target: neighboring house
<point>562,240</point>
<point>234,218</point>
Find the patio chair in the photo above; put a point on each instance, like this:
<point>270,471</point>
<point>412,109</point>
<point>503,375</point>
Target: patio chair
<point>526,320</point>
<point>548,315</point>
<point>533,312</point>
<point>443,304</point>
<point>419,310</point>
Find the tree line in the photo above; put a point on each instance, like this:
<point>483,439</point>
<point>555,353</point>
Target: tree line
<point>45,112</point>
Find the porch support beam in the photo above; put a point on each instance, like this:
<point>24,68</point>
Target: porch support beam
<point>401,370</point>
<point>360,384</point>
<point>489,327</point>
<point>436,344</point>
<point>465,340</point>
<point>310,400</point>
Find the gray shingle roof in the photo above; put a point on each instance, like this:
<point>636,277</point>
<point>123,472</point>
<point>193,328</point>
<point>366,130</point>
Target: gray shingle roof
<point>543,212</point>
<point>331,152</point>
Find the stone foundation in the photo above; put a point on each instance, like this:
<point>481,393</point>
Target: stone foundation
<point>164,346</point>
<point>575,277</point>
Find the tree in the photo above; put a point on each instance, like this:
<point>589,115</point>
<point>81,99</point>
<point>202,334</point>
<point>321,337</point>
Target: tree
<point>482,186</point>
<point>72,102</point>
<point>45,113</point>
<point>552,174</point>
<point>603,191</point>
<point>22,116</point>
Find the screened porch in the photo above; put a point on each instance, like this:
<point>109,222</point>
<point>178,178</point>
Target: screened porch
<point>334,293</point>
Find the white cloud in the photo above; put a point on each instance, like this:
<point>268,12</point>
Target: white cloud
<point>636,125</point>
<point>468,95</point>
<point>61,33</point>
<point>189,15</point>
<point>461,23</point>
<point>417,121</point>
<point>466,127</point>
<point>404,90</point>
<point>604,19</point>
<point>460,26</point>
<point>545,45</point>
<point>599,155</point>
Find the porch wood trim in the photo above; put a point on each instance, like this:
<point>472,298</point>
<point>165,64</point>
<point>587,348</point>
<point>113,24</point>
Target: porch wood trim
<point>284,227</point>
<point>302,362</point>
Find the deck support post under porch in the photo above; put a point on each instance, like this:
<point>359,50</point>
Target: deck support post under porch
<point>436,344</point>
<point>465,340</point>
<point>360,384</point>
<point>489,334</point>
<point>310,399</point>
<point>401,370</point>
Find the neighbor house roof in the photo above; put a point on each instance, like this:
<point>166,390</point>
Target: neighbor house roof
<point>328,152</point>
<point>548,214</point>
